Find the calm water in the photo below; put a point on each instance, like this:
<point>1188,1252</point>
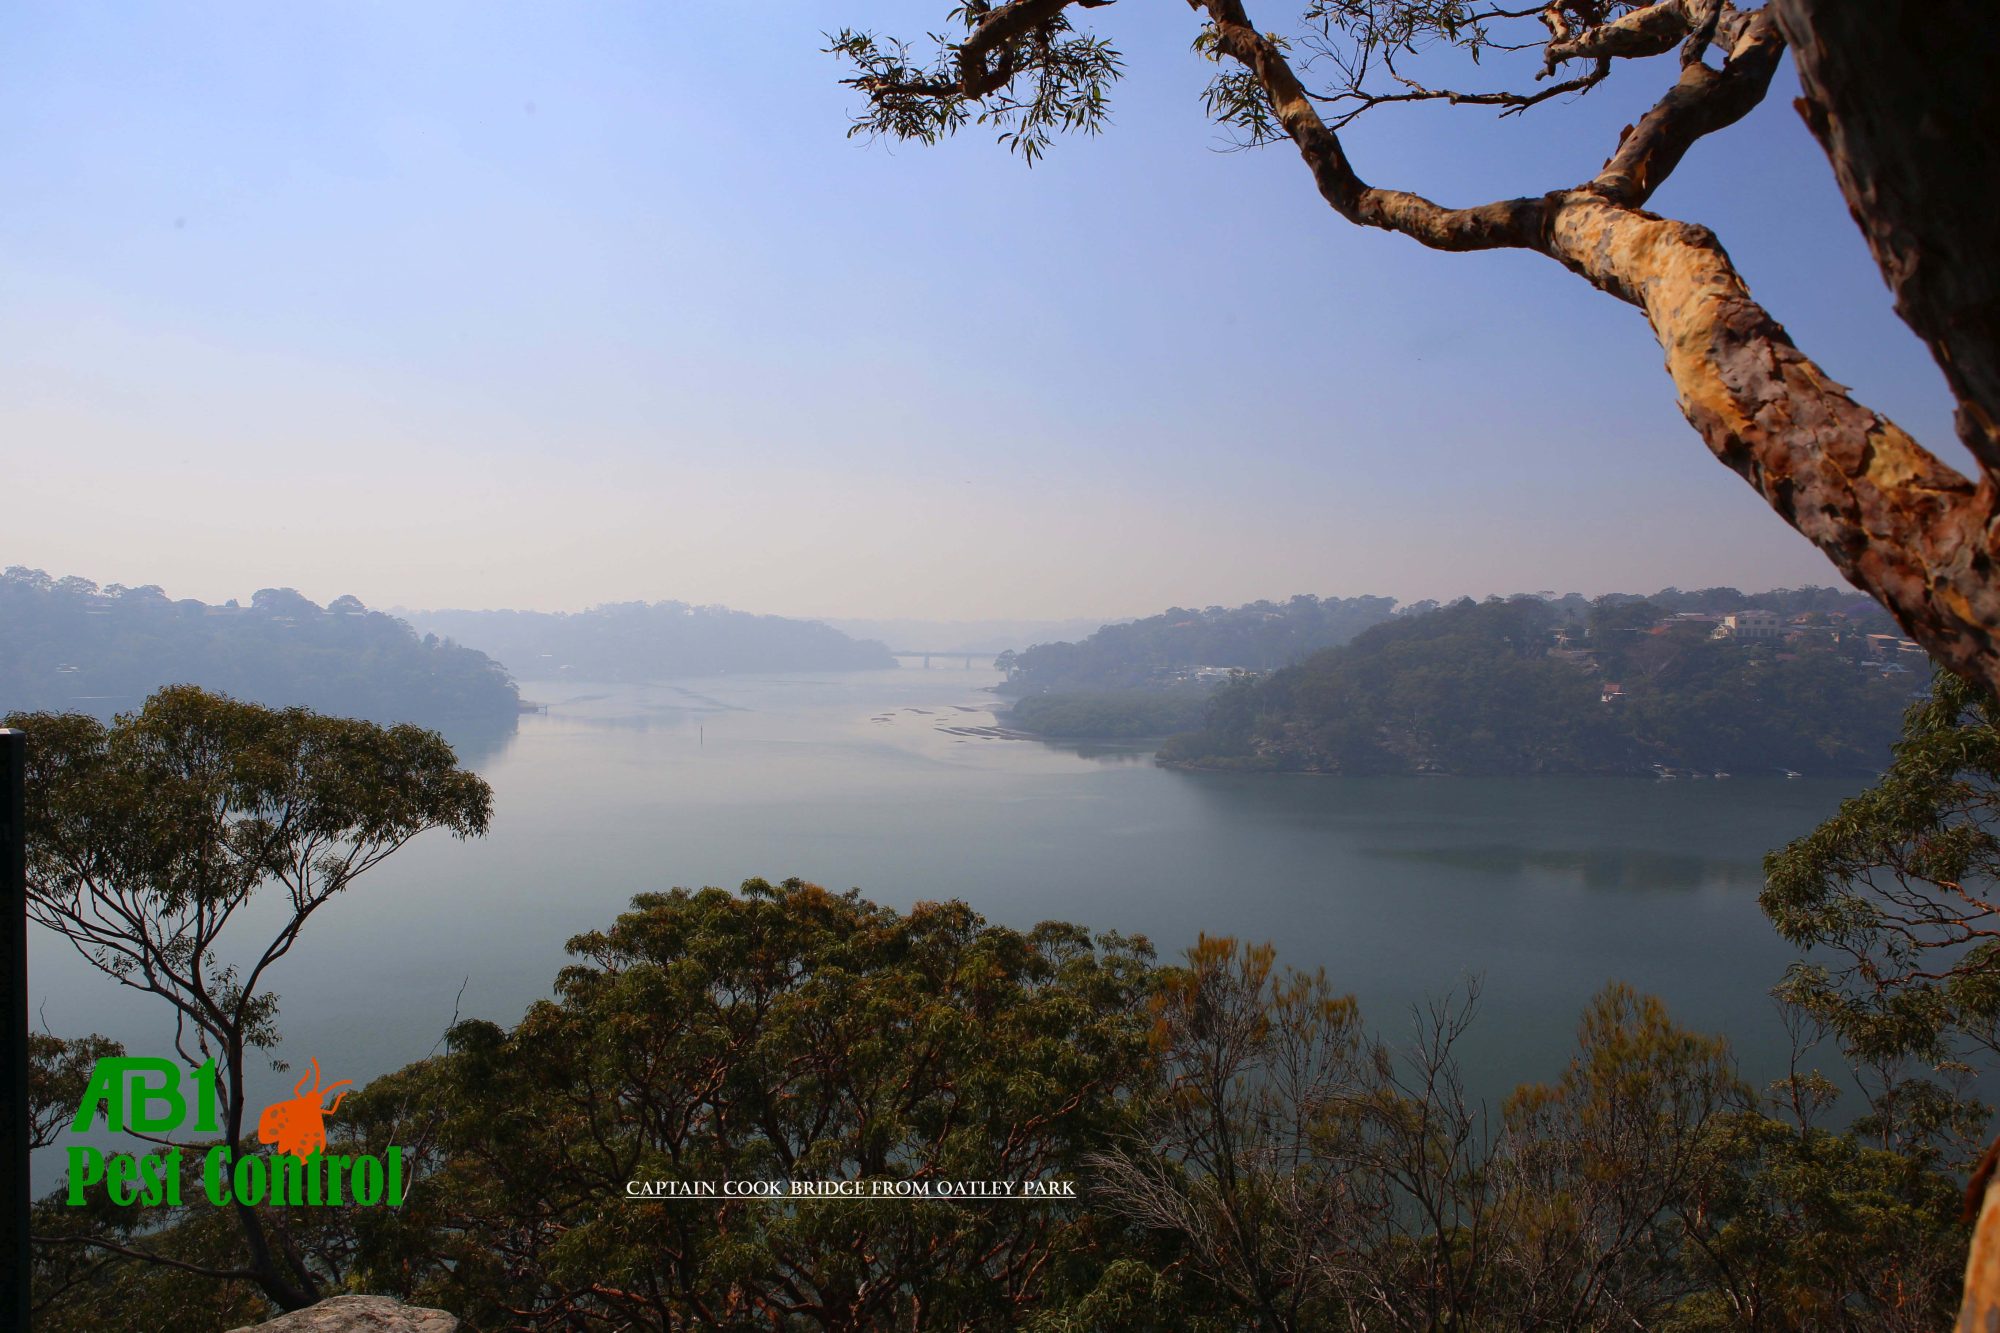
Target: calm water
<point>1401,888</point>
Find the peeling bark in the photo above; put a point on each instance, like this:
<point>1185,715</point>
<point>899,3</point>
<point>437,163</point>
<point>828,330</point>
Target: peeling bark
<point>1895,519</point>
<point>1651,31</point>
<point>1904,98</point>
<point>1979,1300</point>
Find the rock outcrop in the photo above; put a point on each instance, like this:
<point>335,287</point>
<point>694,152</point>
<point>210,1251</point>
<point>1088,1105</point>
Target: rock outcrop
<point>359,1314</point>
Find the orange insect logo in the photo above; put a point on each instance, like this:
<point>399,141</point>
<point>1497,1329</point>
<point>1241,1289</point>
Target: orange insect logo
<point>298,1124</point>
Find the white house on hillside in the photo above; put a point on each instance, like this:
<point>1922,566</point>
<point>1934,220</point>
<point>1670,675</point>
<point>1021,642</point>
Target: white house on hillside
<point>1749,625</point>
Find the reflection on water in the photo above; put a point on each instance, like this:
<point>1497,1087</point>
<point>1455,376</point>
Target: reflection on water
<point>1106,752</point>
<point>634,707</point>
<point>898,782</point>
<point>479,744</point>
<point>1596,868</point>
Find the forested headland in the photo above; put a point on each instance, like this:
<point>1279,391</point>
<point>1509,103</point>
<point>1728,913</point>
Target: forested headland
<point>641,641</point>
<point>70,645</point>
<point>1160,651</point>
<point>1811,680</point>
<point>1520,686</point>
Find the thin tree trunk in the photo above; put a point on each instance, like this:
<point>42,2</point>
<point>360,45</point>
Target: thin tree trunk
<point>262,1262</point>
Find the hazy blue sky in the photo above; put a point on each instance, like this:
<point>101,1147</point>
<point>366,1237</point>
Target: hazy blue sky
<point>542,305</point>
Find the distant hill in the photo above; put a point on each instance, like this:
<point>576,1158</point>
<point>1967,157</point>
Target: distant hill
<point>635,641</point>
<point>1522,686</point>
<point>1160,651</point>
<point>968,636</point>
<point>69,645</point>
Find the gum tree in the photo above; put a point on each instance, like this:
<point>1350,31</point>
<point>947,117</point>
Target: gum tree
<point>1897,896</point>
<point>1898,92</point>
<point>149,838</point>
<point>783,1033</point>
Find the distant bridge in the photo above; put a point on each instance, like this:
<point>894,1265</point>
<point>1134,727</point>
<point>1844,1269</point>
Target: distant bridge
<point>928,653</point>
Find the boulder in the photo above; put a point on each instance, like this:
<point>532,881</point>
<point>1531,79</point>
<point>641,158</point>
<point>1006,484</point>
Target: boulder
<point>359,1314</point>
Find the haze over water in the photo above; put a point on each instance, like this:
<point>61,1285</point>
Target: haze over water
<point>1400,887</point>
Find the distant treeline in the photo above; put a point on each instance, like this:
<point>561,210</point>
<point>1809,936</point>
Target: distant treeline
<point>67,645</point>
<point>636,641</point>
<point>1155,652</point>
<point>1810,600</point>
<point>1484,688</point>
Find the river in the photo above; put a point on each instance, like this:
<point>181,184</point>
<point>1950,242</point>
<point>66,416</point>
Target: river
<point>1543,889</point>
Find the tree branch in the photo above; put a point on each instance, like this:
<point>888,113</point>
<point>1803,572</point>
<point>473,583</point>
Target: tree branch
<point>1898,522</point>
<point>1509,223</point>
<point>98,1242</point>
<point>1894,519</point>
<point>1651,31</point>
<point>1511,103</point>
<point>1701,102</point>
